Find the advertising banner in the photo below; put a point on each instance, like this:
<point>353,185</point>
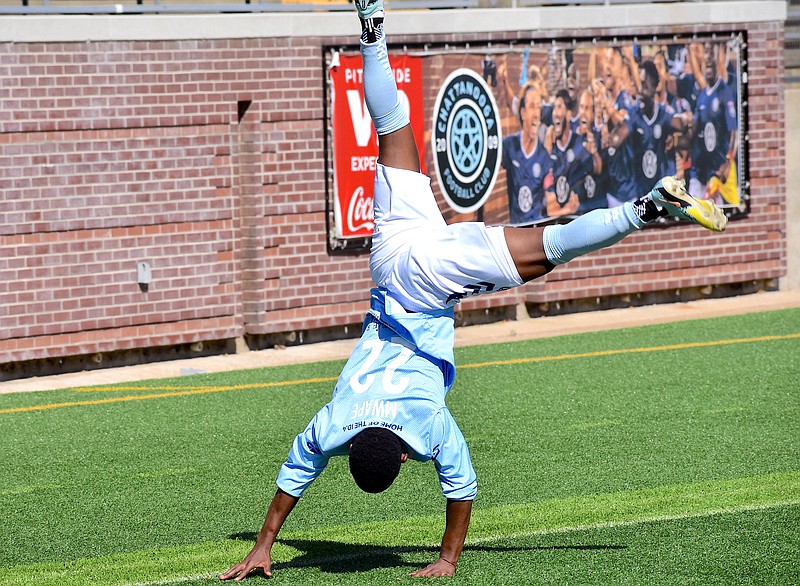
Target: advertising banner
<point>355,143</point>
<point>528,134</point>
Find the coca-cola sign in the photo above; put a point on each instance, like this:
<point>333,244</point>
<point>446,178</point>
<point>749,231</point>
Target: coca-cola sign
<point>355,143</point>
<point>360,215</point>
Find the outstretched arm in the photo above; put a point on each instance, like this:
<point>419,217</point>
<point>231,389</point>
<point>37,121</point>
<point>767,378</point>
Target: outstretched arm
<point>259,557</point>
<point>696,56</point>
<point>455,532</point>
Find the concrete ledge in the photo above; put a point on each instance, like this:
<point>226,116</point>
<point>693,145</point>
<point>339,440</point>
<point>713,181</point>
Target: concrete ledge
<point>78,28</point>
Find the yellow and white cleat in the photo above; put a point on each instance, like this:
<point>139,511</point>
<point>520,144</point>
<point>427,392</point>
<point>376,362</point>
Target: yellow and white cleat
<point>670,193</point>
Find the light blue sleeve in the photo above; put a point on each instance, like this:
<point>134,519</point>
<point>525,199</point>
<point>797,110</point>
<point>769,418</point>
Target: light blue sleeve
<point>304,463</point>
<point>451,458</point>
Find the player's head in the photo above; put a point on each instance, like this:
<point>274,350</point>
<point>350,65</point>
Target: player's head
<point>375,457</point>
<point>530,106</point>
<point>561,113</point>
<point>585,111</point>
<point>573,81</point>
<point>650,80</point>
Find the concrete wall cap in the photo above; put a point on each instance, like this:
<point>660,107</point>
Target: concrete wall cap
<point>78,28</point>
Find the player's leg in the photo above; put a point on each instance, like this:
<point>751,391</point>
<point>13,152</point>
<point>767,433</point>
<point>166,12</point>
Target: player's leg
<point>537,251</point>
<point>397,147</point>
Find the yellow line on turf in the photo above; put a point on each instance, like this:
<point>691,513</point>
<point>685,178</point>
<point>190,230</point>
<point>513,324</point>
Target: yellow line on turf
<point>173,391</point>
<point>190,391</point>
<point>632,350</point>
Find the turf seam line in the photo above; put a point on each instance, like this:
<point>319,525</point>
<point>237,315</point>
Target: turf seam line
<point>493,538</point>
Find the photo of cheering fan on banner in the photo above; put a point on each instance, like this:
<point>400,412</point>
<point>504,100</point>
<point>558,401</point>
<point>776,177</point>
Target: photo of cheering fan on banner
<point>614,118</point>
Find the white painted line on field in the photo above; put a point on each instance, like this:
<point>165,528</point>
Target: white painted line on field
<point>654,519</point>
<point>181,580</point>
<point>491,538</point>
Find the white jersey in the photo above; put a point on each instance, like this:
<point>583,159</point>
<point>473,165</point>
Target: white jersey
<point>424,263</point>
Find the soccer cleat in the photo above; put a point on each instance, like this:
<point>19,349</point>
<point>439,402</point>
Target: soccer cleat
<point>671,194</point>
<point>367,8</point>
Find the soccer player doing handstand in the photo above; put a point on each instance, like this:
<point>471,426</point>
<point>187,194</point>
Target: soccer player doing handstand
<point>388,405</point>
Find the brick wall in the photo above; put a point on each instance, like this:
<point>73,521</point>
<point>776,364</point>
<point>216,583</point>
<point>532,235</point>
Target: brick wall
<point>206,159</point>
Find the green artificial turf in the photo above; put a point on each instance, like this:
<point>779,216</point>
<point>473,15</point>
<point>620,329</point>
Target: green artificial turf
<point>663,454</point>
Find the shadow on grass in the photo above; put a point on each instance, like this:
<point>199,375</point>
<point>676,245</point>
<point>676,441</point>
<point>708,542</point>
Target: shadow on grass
<point>336,558</point>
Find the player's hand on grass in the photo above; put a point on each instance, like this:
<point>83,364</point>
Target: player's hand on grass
<point>258,558</point>
<point>437,569</point>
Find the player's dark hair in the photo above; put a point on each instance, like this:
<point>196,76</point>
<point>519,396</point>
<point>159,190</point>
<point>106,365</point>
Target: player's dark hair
<point>523,97</point>
<point>651,71</point>
<point>375,458</point>
<point>568,102</point>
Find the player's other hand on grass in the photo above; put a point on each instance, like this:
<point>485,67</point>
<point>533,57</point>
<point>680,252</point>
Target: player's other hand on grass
<point>258,558</point>
<point>437,569</point>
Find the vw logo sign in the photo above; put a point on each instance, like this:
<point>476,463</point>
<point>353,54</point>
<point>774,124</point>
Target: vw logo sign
<point>466,140</point>
<point>649,164</point>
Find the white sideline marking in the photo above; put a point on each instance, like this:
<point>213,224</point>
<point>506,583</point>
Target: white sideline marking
<point>490,538</point>
<point>654,519</point>
<point>175,580</point>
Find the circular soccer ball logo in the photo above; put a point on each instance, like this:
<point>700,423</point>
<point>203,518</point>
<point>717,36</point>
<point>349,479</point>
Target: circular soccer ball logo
<point>525,199</point>
<point>710,137</point>
<point>649,164</point>
<point>562,190</point>
<point>466,140</point>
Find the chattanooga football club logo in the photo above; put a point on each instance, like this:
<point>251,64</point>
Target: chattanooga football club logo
<point>466,140</point>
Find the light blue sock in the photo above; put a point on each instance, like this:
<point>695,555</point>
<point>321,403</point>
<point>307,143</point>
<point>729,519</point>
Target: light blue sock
<point>592,231</point>
<point>380,89</point>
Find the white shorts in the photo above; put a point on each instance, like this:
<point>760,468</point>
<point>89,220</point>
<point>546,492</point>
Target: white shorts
<point>424,263</point>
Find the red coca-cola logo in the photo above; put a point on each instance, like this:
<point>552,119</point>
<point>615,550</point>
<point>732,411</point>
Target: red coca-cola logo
<point>360,215</point>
